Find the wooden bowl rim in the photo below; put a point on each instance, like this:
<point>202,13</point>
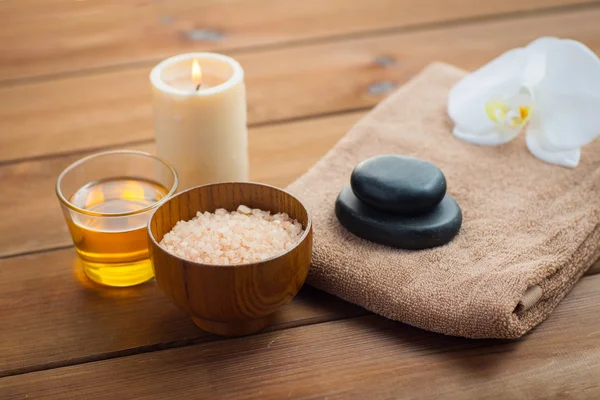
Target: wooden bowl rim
<point>200,264</point>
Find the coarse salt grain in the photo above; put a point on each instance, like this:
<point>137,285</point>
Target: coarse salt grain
<point>237,237</point>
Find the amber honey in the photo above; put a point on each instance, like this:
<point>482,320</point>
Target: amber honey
<point>114,246</point>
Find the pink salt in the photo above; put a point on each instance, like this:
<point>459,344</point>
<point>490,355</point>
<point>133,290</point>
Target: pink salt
<point>237,237</point>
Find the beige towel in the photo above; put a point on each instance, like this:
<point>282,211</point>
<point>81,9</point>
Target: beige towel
<point>530,229</point>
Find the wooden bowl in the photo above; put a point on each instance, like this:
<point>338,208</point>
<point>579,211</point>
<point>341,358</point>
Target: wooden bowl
<point>238,299</point>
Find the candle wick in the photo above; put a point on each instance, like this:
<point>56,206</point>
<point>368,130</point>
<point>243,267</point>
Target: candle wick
<point>198,87</point>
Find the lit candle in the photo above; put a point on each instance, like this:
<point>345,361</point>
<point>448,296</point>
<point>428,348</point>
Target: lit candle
<point>200,118</point>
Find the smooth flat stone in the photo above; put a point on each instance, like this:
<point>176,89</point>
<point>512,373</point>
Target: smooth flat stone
<point>415,232</point>
<point>399,184</point>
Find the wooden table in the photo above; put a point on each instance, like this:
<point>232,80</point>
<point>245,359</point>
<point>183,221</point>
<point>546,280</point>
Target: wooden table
<point>74,79</point>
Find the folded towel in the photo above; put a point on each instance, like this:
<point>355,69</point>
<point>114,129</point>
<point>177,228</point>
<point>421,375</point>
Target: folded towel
<point>530,229</point>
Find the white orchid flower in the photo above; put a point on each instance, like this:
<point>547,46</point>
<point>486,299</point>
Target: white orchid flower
<point>551,88</point>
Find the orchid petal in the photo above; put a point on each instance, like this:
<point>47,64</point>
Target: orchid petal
<point>568,96</point>
<point>491,138</point>
<point>467,99</point>
<point>535,69</point>
<point>542,44</point>
<point>537,146</point>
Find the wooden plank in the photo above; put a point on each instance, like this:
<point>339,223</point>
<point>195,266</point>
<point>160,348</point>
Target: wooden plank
<point>359,358</point>
<point>112,108</point>
<point>53,316</point>
<point>28,198</point>
<point>57,36</point>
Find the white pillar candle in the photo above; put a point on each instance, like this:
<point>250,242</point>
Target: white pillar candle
<point>199,102</point>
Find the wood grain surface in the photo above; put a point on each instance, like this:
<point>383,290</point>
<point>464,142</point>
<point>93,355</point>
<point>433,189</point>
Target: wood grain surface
<point>230,300</point>
<point>74,79</point>
<point>28,187</point>
<point>45,296</point>
<point>113,108</point>
<point>366,357</point>
<point>50,37</point>
<point>52,315</point>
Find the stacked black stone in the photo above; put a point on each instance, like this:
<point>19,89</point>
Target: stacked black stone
<point>399,201</point>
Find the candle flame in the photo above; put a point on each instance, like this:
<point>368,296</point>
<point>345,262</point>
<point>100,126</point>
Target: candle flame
<point>196,72</point>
